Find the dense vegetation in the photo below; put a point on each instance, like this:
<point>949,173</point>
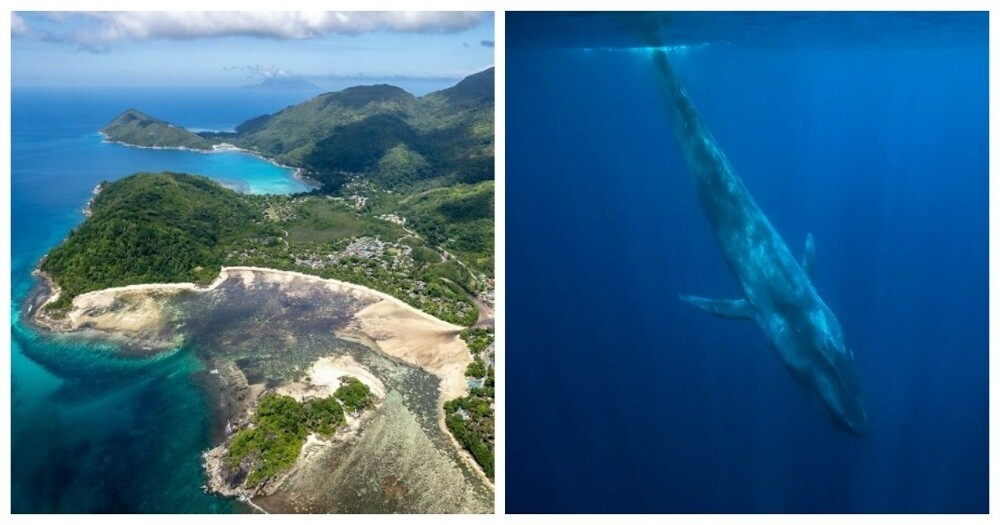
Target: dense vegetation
<point>380,134</point>
<point>281,424</point>
<point>471,420</point>
<point>428,159</point>
<point>148,229</point>
<point>139,129</point>
<point>459,218</point>
<point>477,368</point>
<point>325,416</point>
<point>354,395</point>
<point>171,227</point>
<point>290,134</point>
<point>385,135</point>
<point>477,338</point>
<point>273,442</point>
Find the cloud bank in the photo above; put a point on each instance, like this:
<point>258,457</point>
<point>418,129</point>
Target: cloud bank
<point>99,30</point>
<point>267,71</point>
<point>17,25</point>
<point>263,71</point>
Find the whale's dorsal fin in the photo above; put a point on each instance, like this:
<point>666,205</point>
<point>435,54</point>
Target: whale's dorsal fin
<point>809,257</point>
<point>728,308</point>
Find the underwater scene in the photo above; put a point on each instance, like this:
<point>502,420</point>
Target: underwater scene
<point>748,262</point>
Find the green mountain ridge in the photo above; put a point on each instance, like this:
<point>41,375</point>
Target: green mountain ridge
<point>379,134</point>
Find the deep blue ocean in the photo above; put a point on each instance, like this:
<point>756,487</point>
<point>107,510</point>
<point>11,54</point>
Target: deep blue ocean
<point>92,432</point>
<point>868,130</point>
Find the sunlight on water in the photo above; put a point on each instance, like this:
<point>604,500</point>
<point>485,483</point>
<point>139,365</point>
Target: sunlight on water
<point>676,50</point>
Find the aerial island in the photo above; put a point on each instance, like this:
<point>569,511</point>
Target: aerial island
<point>346,332</point>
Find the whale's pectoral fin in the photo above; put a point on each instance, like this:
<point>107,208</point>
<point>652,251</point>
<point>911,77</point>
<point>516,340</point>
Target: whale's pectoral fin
<point>809,257</point>
<point>728,308</point>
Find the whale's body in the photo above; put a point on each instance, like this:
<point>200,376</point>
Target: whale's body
<point>778,293</point>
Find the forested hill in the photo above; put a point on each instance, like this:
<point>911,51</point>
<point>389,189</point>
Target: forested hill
<point>377,135</point>
<point>172,227</point>
<point>151,228</point>
<point>139,129</point>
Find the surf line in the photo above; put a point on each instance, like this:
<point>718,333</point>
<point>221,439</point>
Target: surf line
<point>250,502</point>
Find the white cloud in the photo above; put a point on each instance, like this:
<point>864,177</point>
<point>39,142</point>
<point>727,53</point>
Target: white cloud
<point>263,71</point>
<point>98,30</point>
<point>17,25</point>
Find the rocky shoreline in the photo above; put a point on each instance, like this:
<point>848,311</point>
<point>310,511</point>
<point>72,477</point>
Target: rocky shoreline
<point>88,209</point>
<point>229,481</point>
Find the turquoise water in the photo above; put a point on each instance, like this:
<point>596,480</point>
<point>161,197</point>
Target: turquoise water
<point>91,432</point>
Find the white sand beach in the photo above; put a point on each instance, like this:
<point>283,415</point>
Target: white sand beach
<point>389,325</point>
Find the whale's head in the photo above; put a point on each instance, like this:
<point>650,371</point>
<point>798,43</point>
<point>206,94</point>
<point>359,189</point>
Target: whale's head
<point>824,367</point>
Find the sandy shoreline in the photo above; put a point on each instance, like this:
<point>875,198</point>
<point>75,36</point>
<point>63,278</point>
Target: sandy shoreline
<point>388,326</point>
<point>324,377</point>
<point>241,271</point>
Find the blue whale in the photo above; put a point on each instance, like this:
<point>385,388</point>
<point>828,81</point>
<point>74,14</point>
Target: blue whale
<point>778,292</point>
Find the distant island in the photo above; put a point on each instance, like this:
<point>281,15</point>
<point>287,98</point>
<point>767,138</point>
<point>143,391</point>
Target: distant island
<point>281,83</point>
<point>403,211</point>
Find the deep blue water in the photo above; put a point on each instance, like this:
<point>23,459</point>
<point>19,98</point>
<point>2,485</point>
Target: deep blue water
<point>92,432</point>
<point>868,130</point>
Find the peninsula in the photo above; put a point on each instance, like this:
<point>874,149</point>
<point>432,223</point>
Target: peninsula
<point>136,128</point>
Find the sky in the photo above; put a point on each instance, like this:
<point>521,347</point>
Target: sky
<point>232,49</point>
